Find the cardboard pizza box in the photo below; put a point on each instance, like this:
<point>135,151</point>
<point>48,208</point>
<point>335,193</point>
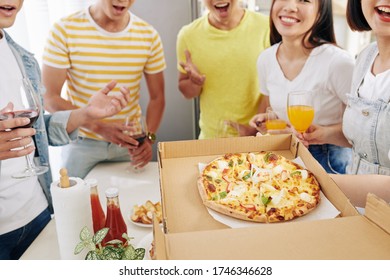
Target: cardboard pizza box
<point>188,224</point>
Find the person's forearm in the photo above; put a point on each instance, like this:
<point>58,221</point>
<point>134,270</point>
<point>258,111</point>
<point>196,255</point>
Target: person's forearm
<point>54,103</point>
<point>356,187</point>
<point>77,118</point>
<point>154,113</point>
<point>337,137</point>
<point>189,89</point>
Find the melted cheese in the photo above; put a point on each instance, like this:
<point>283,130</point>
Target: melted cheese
<point>212,174</point>
<point>222,164</point>
<point>237,191</point>
<point>305,197</point>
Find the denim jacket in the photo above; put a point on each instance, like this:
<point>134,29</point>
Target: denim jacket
<point>366,123</point>
<point>50,129</point>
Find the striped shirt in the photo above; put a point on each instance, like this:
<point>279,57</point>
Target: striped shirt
<point>93,57</point>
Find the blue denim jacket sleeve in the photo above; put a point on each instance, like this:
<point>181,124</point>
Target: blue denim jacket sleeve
<point>50,129</point>
<point>56,128</point>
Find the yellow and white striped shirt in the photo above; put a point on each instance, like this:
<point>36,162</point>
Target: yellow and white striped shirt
<point>93,57</point>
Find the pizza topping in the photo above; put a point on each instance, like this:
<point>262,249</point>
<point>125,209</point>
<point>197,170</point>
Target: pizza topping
<point>211,188</point>
<point>301,174</point>
<point>305,197</point>
<point>245,175</point>
<point>265,200</point>
<point>223,165</point>
<point>270,157</point>
<point>259,186</point>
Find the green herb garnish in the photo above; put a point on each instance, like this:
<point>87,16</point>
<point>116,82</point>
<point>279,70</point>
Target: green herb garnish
<point>266,199</point>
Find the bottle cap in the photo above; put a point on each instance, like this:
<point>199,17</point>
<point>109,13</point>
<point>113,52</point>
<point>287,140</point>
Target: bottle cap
<point>91,182</point>
<point>112,192</point>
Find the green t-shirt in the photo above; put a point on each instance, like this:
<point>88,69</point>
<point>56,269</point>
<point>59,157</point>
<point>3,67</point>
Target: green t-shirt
<point>228,59</point>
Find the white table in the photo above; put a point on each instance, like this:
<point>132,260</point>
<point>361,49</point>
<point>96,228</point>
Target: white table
<point>134,188</point>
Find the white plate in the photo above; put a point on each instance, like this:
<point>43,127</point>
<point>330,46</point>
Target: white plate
<point>141,224</point>
<point>146,243</point>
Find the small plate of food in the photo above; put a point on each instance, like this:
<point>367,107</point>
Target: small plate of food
<point>142,214</point>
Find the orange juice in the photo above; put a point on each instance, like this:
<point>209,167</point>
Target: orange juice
<point>275,124</point>
<point>301,117</point>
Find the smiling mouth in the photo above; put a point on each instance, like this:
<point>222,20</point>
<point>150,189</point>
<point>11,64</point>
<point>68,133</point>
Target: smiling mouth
<point>119,8</point>
<point>288,19</point>
<point>223,7</point>
<point>7,8</point>
<point>384,11</point>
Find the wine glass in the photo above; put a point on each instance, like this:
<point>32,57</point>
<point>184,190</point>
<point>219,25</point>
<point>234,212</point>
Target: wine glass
<point>300,110</point>
<point>136,128</point>
<point>25,105</point>
<point>273,123</point>
<point>227,129</point>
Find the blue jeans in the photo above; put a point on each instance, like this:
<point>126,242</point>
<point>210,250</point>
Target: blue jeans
<point>334,159</point>
<point>14,243</point>
<point>80,156</point>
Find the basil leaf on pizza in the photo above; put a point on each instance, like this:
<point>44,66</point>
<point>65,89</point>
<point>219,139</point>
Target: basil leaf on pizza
<point>261,187</point>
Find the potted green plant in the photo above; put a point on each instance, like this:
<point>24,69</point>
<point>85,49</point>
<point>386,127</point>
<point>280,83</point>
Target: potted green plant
<point>112,250</point>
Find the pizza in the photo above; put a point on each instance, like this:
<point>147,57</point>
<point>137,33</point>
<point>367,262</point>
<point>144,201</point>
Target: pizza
<point>261,187</point>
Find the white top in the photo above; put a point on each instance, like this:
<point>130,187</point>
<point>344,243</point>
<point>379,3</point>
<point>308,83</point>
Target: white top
<point>373,86</point>
<point>21,200</point>
<point>328,71</point>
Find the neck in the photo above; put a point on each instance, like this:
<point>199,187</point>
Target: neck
<point>384,50</point>
<point>107,23</point>
<point>382,62</point>
<point>230,23</point>
<point>293,50</point>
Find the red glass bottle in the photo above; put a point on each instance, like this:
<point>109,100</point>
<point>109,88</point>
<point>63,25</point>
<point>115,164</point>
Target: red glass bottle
<point>114,221</point>
<point>98,216</point>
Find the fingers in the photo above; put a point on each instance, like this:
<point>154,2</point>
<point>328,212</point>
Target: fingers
<point>109,87</point>
<point>141,155</point>
<point>257,120</point>
<point>125,98</point>
<point>16,143</point>
<point>20,143</point>
<point>188,56</point>
<point>17,153</point>
<point>13,123</point>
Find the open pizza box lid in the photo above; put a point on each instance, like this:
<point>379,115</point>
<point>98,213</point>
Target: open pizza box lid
<point>190,232</point>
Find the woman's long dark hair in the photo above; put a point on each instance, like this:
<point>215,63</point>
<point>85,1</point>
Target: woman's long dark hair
<point>322,31</point>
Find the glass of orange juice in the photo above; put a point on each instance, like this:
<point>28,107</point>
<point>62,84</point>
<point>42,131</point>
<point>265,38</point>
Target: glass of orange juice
<point>300,110</point>
<point>272,122</point>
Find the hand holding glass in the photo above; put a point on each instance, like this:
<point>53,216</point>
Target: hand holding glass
<point>227,128</point>
<point>25,105</point>
<point>300,110</point>
<point>272,122</point>
<point>137,129</point>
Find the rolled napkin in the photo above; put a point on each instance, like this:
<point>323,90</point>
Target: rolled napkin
<point>72,212</point>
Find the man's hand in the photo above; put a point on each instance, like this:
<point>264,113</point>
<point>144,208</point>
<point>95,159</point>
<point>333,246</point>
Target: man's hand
<point>192,71</point>
<point>102,105</point>
<point>12,138</point>
<point>141,155</point>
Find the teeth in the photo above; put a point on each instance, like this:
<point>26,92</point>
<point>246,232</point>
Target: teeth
<point>222,5</point>
<point>384,9</point>
<point>287,19</point>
